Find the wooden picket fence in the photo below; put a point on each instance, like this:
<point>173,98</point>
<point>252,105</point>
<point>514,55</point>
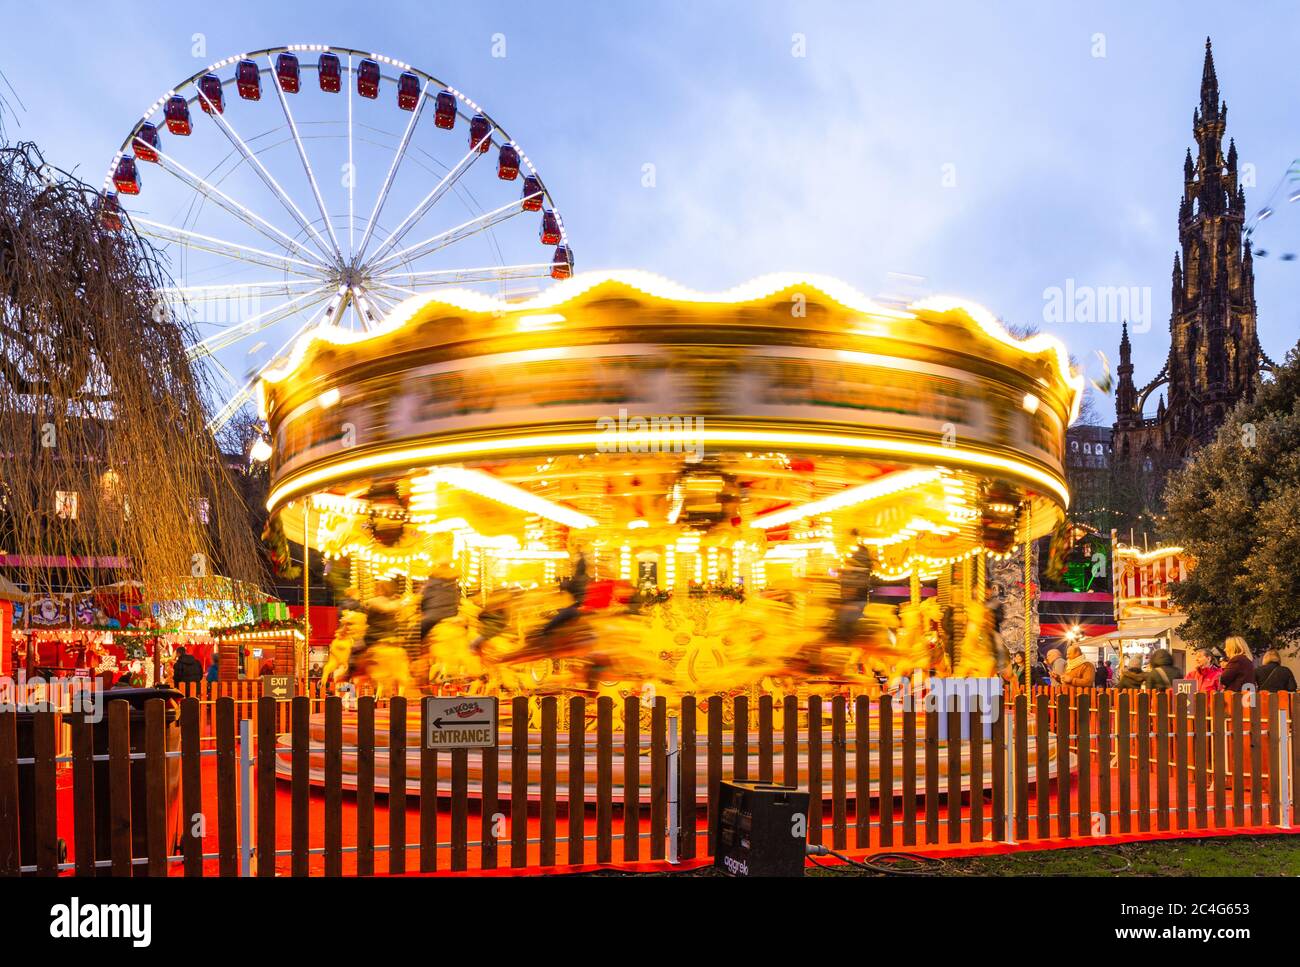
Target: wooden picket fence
<point>880,776</point>
<point>245,694</point>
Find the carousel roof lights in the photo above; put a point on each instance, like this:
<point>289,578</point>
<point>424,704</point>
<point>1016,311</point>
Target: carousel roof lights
<point>658,286</point>
<point>405,456</point>
<point>493,488</point>
<point>876,489</point>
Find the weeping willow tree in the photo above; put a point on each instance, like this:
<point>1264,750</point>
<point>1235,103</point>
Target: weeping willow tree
<point>104,446</point>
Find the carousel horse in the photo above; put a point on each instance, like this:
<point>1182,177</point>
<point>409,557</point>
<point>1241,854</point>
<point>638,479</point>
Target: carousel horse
<point>350,631</point>
<point>976,658</point>
<point>385,666</point>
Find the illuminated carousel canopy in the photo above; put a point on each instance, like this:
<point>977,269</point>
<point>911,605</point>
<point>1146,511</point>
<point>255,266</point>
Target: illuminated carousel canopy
<point>792,405</point>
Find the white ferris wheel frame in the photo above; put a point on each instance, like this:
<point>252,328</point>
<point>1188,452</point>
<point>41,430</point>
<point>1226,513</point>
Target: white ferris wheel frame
<point>321,276</point>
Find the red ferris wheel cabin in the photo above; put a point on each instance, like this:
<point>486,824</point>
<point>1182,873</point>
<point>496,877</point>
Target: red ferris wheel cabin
<point>147,143</point>
<point>212,99</point>
<point>368,79</point>
<point>331,73</point>
<point>408,91</point>
<point>248,79</point>
<point>177,114</point>
<point>444,110</point>
<point>286,71</point>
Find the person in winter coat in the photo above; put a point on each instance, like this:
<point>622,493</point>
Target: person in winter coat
<point>1272,675</point>
<point>1133,676</point>
<point>1055,665</point>
<point>1205,672</point>
<point>1079,672</point>
<point>1240,670</point>
<point>186,668</point>
<point>1162,672</point>
<point>213,670</point>
<point>1101,675</point>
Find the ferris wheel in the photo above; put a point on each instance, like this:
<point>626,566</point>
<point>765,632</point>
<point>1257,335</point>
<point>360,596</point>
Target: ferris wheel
<point>327,206</point>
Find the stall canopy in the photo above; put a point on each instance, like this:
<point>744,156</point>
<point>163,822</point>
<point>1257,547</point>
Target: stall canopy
<point>1147,628</point>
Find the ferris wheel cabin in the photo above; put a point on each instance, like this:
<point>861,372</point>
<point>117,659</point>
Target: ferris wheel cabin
<point>147,143</point>
<point>368,79</point>
<point>480,133</point>
<point>248,80</point>
<point>125,177</point>
<point>562,263</point>
<point>213,98</point>
<point>532,193</point>
<point>331,73</point>
<point>110,212</point>
<point>408,91</point>
<point>444,110</point>
<point>177,115</point>
<point>286,71</point>
<point>508,163</point>
<point>550,231</point>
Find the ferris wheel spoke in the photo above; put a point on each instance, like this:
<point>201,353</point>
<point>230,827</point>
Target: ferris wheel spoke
<point>452,235</point>
<point>439,190</point>
<point>352,170</point>
<point>392,170</point>
<point>490,273</point>
<point>394,291</point>
<point>367,311</point>
<point>245,393</point>
<point>241,212</point>
<point>219,292</point>
<point>257,323</point>
<point>267,178</point>
<point>302,156</point>
<point>386,302</point>
<point>231,250</point>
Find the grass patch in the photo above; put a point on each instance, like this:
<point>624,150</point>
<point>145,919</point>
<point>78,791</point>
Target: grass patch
<point>1227,856</point>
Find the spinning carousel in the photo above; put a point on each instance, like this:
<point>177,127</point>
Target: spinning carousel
<point>624,487</point>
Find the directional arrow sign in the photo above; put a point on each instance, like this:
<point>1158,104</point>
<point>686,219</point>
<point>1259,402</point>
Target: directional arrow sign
<point>280,687</point>
<point>460,722</point>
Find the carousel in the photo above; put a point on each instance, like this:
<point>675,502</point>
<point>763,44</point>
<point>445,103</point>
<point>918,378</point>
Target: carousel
<point>622,487</point>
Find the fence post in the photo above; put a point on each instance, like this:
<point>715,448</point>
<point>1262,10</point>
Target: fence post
<point>245,797</point>
<point>1009,778</point>
<point>1283,790</point>
<point>674,807</point>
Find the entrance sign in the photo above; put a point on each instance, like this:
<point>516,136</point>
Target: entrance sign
<point>460,722</point>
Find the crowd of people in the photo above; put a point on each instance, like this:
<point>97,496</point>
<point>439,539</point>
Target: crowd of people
<point>1229,668</point>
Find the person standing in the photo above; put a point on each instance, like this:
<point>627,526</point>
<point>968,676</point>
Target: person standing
<point>1079,672</point>
<point>1204,672</point>
<point>1160,675</point>
<point>1240,670</point>
<point>1100,678</point>
<point>1055,665</point>
<point>186,667</point>
<point>1133,676</point>
<point>1272,675</point>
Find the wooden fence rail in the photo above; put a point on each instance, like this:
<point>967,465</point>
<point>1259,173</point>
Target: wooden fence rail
<point>159,790</point>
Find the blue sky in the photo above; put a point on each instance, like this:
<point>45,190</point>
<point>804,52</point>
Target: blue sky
<point>1066,165</point>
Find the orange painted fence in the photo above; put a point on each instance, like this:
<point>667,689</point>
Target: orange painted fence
<point>1044,764</point>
